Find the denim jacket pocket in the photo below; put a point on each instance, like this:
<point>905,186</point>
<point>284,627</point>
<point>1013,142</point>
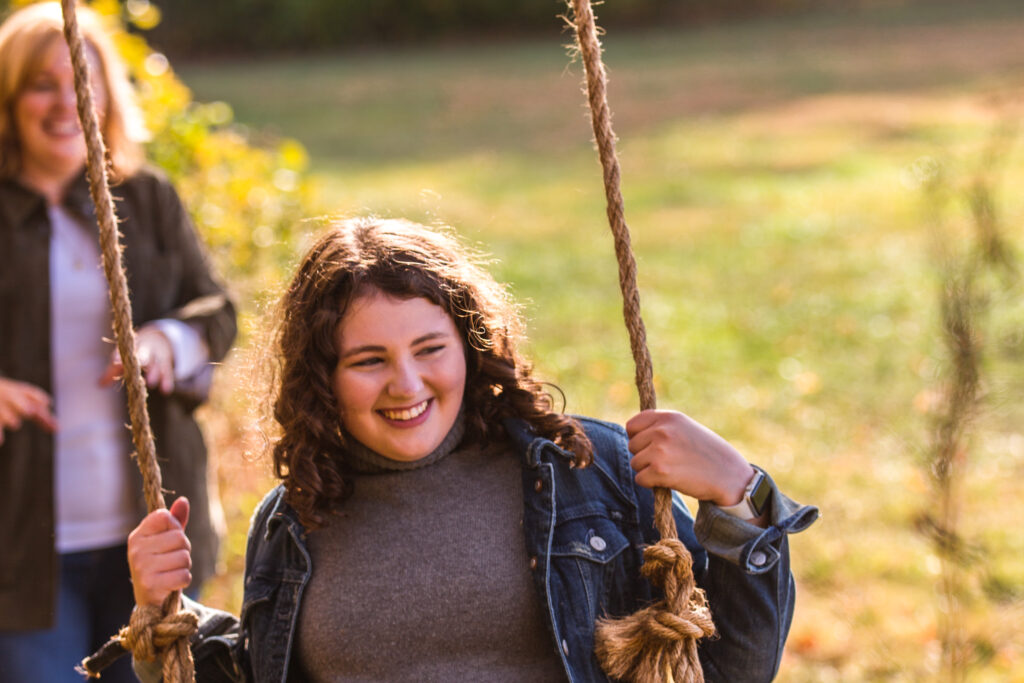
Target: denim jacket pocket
<point>257,619</point>
<point>584,553</point>
<point>259,590</point>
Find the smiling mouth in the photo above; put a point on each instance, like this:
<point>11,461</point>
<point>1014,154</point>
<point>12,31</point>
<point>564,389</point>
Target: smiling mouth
<point>63,129</point>
<point>406,414</point>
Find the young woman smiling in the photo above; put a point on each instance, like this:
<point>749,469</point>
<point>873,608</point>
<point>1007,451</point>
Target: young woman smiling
<point>400,376</point>
<point>438,520</point>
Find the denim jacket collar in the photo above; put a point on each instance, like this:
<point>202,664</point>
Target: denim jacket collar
<point>534,448</point>
<point>283,513</point>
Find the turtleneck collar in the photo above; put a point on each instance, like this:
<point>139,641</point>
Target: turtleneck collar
<point>364,460</point>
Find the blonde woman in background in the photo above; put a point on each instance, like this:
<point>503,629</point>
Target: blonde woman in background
<point>69,492</point>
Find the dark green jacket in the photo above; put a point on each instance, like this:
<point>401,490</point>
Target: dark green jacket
<point>169,276</point>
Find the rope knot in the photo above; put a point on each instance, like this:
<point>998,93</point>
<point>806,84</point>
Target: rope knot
<point>659,642</point>
<point>666,560</point>
<point>692,624</point>
<point>151,631</point>
<point>164,633</point>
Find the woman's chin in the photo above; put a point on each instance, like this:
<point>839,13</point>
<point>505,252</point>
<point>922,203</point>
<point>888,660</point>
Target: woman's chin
<point>59,166</point>
<point>407,456</point>
<point>410,452</point>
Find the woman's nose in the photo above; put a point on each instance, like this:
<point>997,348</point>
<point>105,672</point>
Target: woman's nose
<point>68,98</point>
<point>406,380</point>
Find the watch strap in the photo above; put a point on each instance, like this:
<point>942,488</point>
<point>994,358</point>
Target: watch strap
<point>755,498</point>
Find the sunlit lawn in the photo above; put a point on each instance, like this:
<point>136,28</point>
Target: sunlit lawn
<point>772,178</point>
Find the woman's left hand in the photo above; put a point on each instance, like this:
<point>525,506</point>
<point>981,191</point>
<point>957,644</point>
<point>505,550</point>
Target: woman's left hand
<point>160,554</point>
<point>156,357</point>
<point>673,451</point>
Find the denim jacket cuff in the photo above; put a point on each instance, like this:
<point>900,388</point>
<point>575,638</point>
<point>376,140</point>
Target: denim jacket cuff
<point>148,672</point>
<point>754,549</point>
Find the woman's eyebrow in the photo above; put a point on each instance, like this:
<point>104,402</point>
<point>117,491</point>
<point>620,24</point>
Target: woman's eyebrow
<point>377,348</point>
<point>365,348</point>
<point>430,336</point>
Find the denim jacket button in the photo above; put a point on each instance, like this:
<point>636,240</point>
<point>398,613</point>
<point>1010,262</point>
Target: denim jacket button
<point>758,558</point>
<point>598,543</point>
<point>533,562</point>
<point>538,485</point>
<point>565,647</point>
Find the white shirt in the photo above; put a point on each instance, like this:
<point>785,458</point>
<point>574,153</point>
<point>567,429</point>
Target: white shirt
<point>92,445</point>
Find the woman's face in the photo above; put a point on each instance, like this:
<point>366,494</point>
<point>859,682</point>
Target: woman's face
<point>46,118</point>
<point>401,374</point>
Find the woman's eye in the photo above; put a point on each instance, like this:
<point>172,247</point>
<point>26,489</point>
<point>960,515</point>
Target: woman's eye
<point>365,362</point>
<point>42,85</point>
<point>429,350</point>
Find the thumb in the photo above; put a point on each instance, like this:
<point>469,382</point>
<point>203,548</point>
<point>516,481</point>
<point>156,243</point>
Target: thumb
<point>113,371</point>
<point>179,510</point>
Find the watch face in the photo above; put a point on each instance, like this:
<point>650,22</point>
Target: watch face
<point>760,495</point>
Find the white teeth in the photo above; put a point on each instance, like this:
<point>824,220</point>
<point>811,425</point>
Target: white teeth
<point>407,413</point>
<point>67,128</point>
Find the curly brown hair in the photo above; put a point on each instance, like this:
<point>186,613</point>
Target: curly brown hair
<point>406,260</point>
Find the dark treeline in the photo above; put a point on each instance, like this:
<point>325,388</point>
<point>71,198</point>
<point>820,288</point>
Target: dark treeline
<point>197,27</point>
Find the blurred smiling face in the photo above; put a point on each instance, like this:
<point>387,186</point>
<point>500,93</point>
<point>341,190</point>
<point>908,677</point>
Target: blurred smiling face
<point>46,117</point>
<point>401,374</point>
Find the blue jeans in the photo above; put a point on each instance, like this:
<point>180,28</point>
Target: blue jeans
<point>94,601</point>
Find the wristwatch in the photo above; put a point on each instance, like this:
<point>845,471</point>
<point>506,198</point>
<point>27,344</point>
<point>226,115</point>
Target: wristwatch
<point>755,499</point>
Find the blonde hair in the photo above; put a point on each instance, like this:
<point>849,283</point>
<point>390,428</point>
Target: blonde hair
<point>24,38</point>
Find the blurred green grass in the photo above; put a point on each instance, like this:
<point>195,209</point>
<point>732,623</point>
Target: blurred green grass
<point>787,258</point>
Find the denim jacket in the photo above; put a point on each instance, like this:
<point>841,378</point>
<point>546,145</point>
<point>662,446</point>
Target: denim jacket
<point>585,531</point>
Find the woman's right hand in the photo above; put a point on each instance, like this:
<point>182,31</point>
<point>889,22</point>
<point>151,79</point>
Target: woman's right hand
<point>160,555</point>
<point>20,401</point>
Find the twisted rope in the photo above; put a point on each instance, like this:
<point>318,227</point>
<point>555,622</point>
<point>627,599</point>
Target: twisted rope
<point>179,657</point>
<point>162,632</point>
<point>659,643</point>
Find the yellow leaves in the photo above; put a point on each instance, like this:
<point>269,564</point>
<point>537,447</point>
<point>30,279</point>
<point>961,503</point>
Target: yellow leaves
<point>143,14</point>
<point>245,200</point>
<point>215,113</point>
<point>156,64</point>
<point>292,155</point>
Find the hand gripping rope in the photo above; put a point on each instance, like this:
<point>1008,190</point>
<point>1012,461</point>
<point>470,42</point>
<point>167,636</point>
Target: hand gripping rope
<point>151,632</point>
<point>657,644</point>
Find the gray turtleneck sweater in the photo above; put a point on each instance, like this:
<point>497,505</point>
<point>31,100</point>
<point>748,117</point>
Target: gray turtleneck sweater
<point>422,575</point>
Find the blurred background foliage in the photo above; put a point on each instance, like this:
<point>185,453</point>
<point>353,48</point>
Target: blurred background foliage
<point>199,26</point>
